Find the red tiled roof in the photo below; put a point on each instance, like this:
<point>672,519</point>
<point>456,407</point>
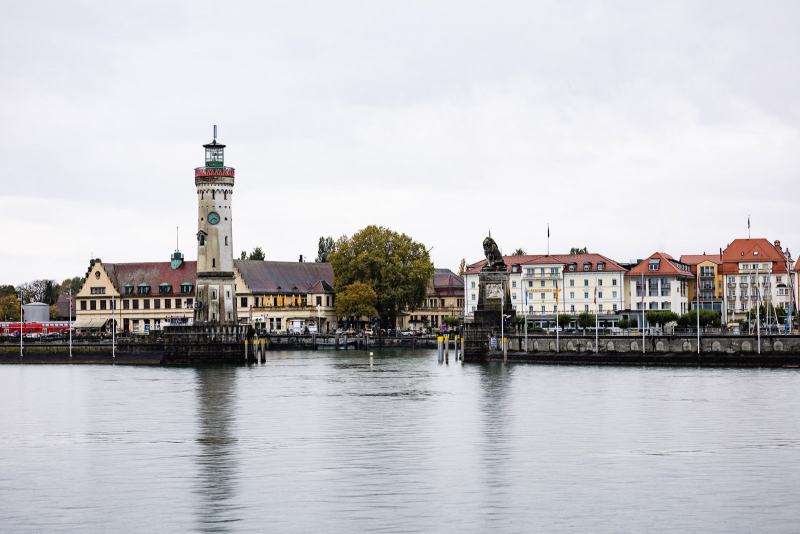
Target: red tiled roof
<point>563,259</point>
<point>667,266</point>
<point>694,259</point>
<point>153,274</point>
<point>756,249</point>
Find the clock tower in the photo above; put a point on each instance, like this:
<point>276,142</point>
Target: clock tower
<point>215,292</point>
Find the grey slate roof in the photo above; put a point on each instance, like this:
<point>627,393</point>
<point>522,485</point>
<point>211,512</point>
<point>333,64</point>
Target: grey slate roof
<point>285,276</point>
<point>446,283</point>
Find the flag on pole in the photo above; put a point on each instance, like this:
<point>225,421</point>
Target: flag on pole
<point>548,230</point>
<point>595,294</point>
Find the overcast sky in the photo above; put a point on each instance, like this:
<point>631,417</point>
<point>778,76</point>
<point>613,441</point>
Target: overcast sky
<point>629,126</point>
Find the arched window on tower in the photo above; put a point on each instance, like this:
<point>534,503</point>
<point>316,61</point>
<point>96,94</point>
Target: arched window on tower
<point>213,262</point>
<point>213,194</point>
<point>226,241</point>
<point>225,195</point>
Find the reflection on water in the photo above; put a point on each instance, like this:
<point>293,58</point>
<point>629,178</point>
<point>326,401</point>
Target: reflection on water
<point>329,442</point>
<point>216,457</point>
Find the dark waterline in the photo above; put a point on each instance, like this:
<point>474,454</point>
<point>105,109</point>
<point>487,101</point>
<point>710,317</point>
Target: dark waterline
<point>326,442</point>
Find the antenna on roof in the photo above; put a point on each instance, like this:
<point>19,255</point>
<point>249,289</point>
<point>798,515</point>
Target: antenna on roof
<point>177,228</point>
<point>215,133</point>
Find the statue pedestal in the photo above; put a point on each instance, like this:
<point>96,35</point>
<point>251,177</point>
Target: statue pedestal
<point>494,308</point>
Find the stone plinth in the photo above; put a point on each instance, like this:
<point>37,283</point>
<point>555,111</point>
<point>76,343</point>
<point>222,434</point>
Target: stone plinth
<point>494,304</point>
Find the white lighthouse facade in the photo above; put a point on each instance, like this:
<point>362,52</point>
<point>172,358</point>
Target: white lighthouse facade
<point>215,292</point>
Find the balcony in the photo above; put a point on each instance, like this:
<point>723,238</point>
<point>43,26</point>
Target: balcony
<point>743,284</point>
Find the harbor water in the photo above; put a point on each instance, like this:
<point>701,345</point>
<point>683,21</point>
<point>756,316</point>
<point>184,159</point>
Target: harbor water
<point>332,441</point>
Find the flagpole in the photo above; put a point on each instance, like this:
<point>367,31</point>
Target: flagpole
<point>557,327</point>
<point>548,239</point>
<point>644,333</point>
<point>697,311</point>
<point>596,320</point>
<point>758,312</point>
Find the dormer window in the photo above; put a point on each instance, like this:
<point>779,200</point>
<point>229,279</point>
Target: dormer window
<point>143,289</point>
<point>654,265</point>
<point>572,267</point>
<point>587,266</point>
<point>186,287</point>
<point>164,289</point>
<point>601,266</point>
<point>129,289</point>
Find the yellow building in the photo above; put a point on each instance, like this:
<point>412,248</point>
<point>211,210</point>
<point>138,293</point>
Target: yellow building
<point>708,266</point>
<point>444,298</point>
<point>136,297</point>
<point>284,296</point>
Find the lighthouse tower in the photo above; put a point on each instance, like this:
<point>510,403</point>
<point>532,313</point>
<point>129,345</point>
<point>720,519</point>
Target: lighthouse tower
<point>215,293</point>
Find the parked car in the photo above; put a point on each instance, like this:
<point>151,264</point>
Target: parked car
<point>407,333</point>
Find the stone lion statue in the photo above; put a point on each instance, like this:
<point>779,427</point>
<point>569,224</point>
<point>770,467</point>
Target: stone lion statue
<point>494,260</point>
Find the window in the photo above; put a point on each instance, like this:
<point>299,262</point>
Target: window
<point>125,304</point>
<point>572,307</point>
<point>587,266</point>
<point>102,290</point>
<point>614,307</point>
<point>653,265</point>
<point>226,241</point>
<point>177,303</point>
<point>143,289</point>
<point>586,294</point>
<point>585,282</point>
<point>665,305</point>
<point>601,266</point>
<point>572,283</point>
<point>614,294</point>
<point>186,288</point>
<point>600,282</point>
<point>92,304</point>
<point>541,283</point>
<point>102,304</point>
<point>599,294</point>
<point>585,307</point>
<point>164,289</point>
<point>530,283</point>
<point>599,307</point>
<point>135,304</point>
<point>654,305</point>
<point>128,290</point>
<point>572,294</point>
<point>157,304</point>
<point>541,295</point>
<point>167,304</point>
<point>513,296</point>
<point>472,284</point>
<point>213,262</point>
<point>188,303</point>
<point>553,270</point>
<point>513,283</point>
<point>529,271</point>
<point>614,282</point>
<point>543,308</point>
<point>472,297</point>
<point>146,304</point>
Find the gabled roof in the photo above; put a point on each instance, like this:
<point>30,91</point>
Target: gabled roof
<point>755,250</point>
<point>556,259</point>
<point>446,283</point>
<point>696,259</point>
<point>152,274</point>
<point>284,277</point>
<point>667,266</point>
<point>321,287</point>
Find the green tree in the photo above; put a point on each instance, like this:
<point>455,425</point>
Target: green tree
<point>564,319</point>
<point>7,290</point>
<point>661,317</point>
<point>452,321</point>
<point>356,300</point>
<point>578,250</point>
<point>38,291</point>
<point>9,307</point>
<point>624,324</point>
<point>398,268</point>
<point>586,320</point>
<point>257,254</point>
<point>325,248</point>
<point>518,252</point>
<point>243,255</point>
<point>75,283</point>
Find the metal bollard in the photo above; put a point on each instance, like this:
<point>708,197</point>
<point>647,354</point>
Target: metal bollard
<point>439,349</point>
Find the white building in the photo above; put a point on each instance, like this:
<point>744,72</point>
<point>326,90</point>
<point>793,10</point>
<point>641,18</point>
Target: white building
<point>755,271</point>
<point>542,286</point>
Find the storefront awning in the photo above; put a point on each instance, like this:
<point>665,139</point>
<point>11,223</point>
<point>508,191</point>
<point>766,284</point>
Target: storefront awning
<point>90,322</point>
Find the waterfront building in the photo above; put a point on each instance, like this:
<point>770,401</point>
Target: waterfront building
<point>707,269</point>
<point>443,298</point>
<point>755,272</point>
<point>215,293</point>
<point>659,282</point>
<point>542,285</point>
<point>285,296</point>
<point>137,297</point>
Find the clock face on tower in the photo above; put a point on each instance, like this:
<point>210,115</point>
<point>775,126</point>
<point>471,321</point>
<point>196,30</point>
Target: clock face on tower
<point>213,217</point>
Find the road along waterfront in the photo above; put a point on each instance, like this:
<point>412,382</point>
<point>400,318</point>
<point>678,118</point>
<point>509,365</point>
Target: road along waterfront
<point>331,441</point>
